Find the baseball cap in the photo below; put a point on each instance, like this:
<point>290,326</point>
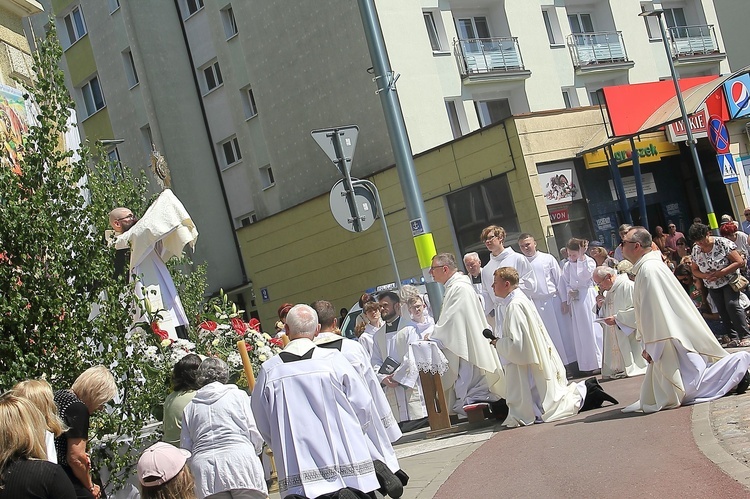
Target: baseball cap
<point>160,463</point>
<point>725,219</point>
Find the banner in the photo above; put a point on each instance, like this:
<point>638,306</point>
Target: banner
<point>14,125</point>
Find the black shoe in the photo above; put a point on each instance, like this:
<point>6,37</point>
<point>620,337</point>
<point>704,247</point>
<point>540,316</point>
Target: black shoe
<point>499,410</point>
<point>401,474</point>
<point>595,396</point>
<point>390,484</point>
<point>743,384</point>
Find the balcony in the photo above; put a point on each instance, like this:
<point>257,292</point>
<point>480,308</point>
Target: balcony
<point>694,43</point>
<point>597,51</point>
<point>489,58</point>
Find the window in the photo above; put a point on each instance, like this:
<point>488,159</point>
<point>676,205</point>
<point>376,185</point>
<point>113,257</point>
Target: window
<point>595,99</point>
<point>148,140</point>
<point>231,149</point>
<point>212,76</point>
<point>248,220</point>
<point>450,107</point>
<point>230,23</point>
<point>248,103</point>
<point>580,23</point>
<point>130,73</point>
<point>114,165</point>
<point>432,32</point>
<point>570,97</point>
<point>266,177</point>
<point>675,18</point>
<point>193,6</point>
<point>493,111</point>
<point>652,22</point>
<point>113,5</point>
<point>93,98</point>
<point>75,25</point>
<point>473,27</point>
<point>566,99</point>
<point>552,25</point>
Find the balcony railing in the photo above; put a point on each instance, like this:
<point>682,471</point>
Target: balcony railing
<point>487,55</point>
<point>693,40</point>
<point>604,47</point>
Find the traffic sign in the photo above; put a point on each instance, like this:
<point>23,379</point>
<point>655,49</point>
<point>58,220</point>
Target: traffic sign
<point>339,144</point>
<point>718,134</point>
<point>342,210</point>
<point>728,168</point>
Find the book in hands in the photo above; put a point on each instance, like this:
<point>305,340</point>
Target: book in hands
<point>389,366</point>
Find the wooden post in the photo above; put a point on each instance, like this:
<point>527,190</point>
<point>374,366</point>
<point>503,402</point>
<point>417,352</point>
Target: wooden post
<point>246,364</point>
<point>434,399</point>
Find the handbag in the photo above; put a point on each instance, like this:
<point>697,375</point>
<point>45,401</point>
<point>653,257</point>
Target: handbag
<point>738,282</point>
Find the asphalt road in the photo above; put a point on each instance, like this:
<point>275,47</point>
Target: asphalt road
<point>597,454</point>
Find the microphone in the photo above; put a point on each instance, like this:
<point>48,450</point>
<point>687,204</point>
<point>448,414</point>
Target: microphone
<point>487,333</point>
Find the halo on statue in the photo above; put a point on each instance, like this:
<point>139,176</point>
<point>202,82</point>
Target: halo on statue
<point>160,168</point>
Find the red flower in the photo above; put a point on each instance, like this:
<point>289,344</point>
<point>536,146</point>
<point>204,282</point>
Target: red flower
<point>254,324</point>
<point>208,325</point>
<point>277,342</point>
<point>248,347</point>
<point>238,326</point>
<point>159,331</point>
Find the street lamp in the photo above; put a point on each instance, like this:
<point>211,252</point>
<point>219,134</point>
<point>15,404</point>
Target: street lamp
<point>658,13</point>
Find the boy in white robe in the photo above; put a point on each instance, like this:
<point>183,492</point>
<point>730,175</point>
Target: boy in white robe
<point>536,387</point>
<point>686,364</point>
<point>313,409</point>
<point>581,299</point>
<point>621,350</point>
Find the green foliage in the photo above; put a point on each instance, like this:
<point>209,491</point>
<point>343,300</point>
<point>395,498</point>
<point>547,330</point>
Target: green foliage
<point>55,270</point>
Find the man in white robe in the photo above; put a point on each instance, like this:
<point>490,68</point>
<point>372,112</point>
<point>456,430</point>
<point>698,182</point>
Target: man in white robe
<point>473,265</point>
<point>621,355</point>
<point>474,371</point>
<point>160,234</point>
<point>384,429</point>
<point>313,409</point>
<point>686,365</point>
<point>537,390</point>
<point>581,299</point>
<point>403,389</point>
<point>501,256</point>
<point>547,299</point>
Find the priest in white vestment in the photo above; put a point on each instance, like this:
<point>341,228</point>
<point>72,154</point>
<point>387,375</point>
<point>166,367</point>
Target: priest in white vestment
<point>502,256</point>
<point>581,299</point>
<point>546,297</point>
<point>313,409</point>
<point>536,387</point>
<point>474,370</point>
<point>686,365</point>
<point>160,234</point>
<point>384,429</point>
<point>621,354</point>
<point>402,387</point>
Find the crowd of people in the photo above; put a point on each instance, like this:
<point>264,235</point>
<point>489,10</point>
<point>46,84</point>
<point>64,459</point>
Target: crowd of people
<point>514,333</point>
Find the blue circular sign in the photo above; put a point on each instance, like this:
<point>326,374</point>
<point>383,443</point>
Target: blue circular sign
<point>718,135</point>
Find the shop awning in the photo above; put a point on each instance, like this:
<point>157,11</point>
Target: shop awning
<point>646,107</point>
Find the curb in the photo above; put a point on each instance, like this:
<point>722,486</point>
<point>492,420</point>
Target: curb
<point>709,445</point>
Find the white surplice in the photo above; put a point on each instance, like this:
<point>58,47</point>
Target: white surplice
<point>406,400</point>
<point>314,414</point>
<point>163,231</point>
<point>547,301</point>
<point>688,364</point>
<point>535,375</point>
<point>581,298</point>
<point>384,428</point>
<point>621,349</point>
<point>474,370</point>
<point>526,283</point>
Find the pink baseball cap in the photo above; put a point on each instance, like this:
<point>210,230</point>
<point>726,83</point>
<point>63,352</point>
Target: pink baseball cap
<point>160,463</point>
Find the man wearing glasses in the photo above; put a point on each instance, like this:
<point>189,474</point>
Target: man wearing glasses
<point>502,256</point>
<point>162,233</point>
<point>673,236</point>
<point>686,365</point>
<point>746,222</point>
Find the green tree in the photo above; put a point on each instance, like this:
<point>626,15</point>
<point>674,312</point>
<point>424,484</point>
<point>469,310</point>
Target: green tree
<point>61,309</point>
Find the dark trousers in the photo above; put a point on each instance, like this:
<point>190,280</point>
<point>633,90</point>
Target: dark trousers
<point>732,315</point>
<point>81,491</point>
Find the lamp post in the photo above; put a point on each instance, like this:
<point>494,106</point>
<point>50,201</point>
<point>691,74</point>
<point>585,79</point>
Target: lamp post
<point>658,13</point>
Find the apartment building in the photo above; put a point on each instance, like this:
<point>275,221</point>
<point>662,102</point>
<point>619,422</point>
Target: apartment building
<point>229,90</point>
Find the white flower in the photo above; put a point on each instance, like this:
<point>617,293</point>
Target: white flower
<point>234,360</point>
<point>215,342</point>
<point>262,358</point>
<point>166,342</point>
<point>259,344</point>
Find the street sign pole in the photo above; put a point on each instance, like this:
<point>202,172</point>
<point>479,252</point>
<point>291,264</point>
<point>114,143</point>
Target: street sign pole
<point>342,160</point>
<point>386,83</point>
